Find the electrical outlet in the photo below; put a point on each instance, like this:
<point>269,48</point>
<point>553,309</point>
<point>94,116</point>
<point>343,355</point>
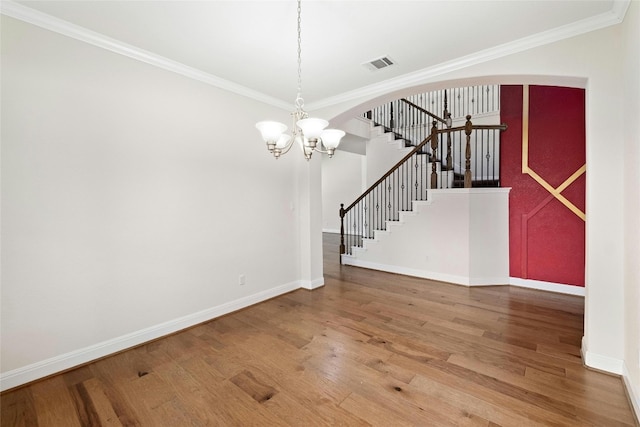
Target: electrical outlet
<point>242,279</point>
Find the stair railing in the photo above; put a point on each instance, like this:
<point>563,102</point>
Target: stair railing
<point>460,101</point>
<point>405,120</point>
<point>409,181</point>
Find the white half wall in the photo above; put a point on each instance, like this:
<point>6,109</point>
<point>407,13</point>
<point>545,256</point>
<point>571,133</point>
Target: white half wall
<point>459,236</point>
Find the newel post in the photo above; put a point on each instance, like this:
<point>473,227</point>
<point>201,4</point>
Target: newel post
<point>342,248</point>
<point>468,127</point>
<point>434,155</point>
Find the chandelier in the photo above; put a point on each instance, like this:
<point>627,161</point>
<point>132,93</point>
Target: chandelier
<point>309,133</point>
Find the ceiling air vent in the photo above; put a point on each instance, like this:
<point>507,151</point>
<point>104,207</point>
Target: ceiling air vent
<point>379,63</point>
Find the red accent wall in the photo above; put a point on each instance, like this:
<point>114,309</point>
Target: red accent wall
<point>546,239</point>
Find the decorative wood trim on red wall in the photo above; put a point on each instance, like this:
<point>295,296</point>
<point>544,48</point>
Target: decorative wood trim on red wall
<point>543,160</point>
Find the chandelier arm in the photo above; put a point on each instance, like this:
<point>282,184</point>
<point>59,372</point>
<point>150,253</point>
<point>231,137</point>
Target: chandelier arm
<point>328,151</point>
<point>320,150</point>
<point>287,147</point>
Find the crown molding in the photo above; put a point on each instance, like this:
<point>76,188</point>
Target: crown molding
<point>48,22</point>
<point>612,17</point>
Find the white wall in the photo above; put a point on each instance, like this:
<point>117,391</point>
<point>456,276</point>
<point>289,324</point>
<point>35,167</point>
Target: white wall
<point>132,200</point>
<point>342,182</point>
<point>587,61</point>
<point>631,183</point>
<point>383,152</point>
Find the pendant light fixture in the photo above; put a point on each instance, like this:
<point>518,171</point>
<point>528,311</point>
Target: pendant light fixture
<point>309,133</point>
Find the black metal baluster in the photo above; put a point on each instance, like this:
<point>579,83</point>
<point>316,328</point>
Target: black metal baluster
<point>414,182</point>
<point>486,155</point>
<point>341,212</point>
<point>352,229</point>
<point>395,192</point>
<point>475,161</point>
<point>363,215</point>
<point>411,173</point>
<point>479,162</point>
<point>380,209</point>
<point>460,156</point>
<point>347,248</point>
<point>405,183</point>
<point>485,141</point>
<point>373,225</point>
<point>362,221</point>
<point>383,207</point>
<point>355,229</point>
<point>350,232</point>
<point>410,184</point>
<point>371,214</point>
<point>496,144</point>
<point>354,232</point>
<point>410,181</point>
<point>388,183</point>
<point>421,180</point>
<point>378,224</point>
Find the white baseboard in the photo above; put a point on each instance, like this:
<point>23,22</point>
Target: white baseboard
<point>547,286</point>
<point>312,284</point>
<point>425,274</point>
<point>331,230</point>
<point>600,362</point>
<point>632,391</point>
<point>79,357</point>
<point>467,281</point>
<point>614,366</point>
<point>488,281</point>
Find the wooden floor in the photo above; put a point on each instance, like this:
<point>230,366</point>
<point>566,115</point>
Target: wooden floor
<point>368,348</point>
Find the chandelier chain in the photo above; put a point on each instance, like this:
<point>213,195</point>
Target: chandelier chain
<point>299,101</point>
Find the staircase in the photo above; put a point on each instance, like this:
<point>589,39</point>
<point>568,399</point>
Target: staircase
<point>443,153</point>
<point>384,150</point>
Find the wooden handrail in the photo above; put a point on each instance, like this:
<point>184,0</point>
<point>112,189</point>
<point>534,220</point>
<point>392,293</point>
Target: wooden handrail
<point>490,127</point>
<point>419,108</point>
<point>397,165</point>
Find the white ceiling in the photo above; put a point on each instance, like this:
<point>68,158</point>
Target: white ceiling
<point>252,44</point>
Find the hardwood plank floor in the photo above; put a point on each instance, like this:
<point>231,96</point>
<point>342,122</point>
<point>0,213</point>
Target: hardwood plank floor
<point>369,348</point>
